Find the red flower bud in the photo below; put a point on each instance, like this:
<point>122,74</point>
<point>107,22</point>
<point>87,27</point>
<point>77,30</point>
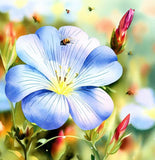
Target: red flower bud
<point>124,25</point>
<point>101,126</point>
<point>58,145</point>
<point>1,127</point>
<point>10,33</point>
<point>121,128</point>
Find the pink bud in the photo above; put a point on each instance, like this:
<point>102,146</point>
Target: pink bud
<point>121,128</point>
<point>124,25</point>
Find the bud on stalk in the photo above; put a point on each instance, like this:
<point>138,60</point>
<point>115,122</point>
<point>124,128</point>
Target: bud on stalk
<point>118,37</point>
<point>121,128</point>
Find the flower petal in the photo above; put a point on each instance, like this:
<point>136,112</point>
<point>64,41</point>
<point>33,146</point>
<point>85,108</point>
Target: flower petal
<point>4,104</point>
<point>22,80</point>
<point>45,108</point>
<point>138,118</point>
<point>75,54</point>
<point>30,50</point>
<point>145,97</point>
<point>89,107</point>
<point>49,37</point>
<point>72,32</point>
<point>100,68</point>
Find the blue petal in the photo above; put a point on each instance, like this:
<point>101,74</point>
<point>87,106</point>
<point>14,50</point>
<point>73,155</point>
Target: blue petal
<point>72,32</point>
<point>47,109</point>
<point>30,50</point>
<point>138,118</point>
<point>74,55</point>
<point>145,97</point>
<point>89,107</point>
<point>100,68</point>
<point>49,37</point>
<point>4,104</point>
<point>22,80</point>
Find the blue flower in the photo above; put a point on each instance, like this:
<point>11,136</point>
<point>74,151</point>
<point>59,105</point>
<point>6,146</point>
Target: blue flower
<point>58,80</point>
<point>142,112</point>
<point>4,104</point>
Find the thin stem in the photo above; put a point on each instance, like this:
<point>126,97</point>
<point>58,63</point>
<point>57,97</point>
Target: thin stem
<point>106,156</point>
<point>13,113</point>
<point>69,136</point>
<point>28,146</point>
<point>97,156</point>
<point>14,126</point>
<point>23,147</point>
<point>93,148</point>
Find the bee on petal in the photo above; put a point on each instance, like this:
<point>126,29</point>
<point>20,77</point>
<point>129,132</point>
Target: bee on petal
<point>66,41</point>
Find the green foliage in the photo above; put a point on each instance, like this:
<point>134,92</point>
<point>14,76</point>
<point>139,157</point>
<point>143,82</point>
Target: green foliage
<point>19,116</point>
<point>8,55</point>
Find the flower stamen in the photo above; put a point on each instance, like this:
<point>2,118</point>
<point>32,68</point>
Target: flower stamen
<point>61,85</point>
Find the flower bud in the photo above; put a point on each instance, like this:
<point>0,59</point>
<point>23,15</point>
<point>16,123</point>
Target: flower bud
<point>124,25</point>
<point>58,146</point>
<point>10,33</point>
<point>100,128</point>
<point>119,35</point>
<point>121,128</point>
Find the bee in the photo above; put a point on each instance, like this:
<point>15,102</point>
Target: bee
<point>132,90</point>
<point>36,18</point>
<point>65,41</point>
<point>130,53</point>
<point>67,11</point>
<point>90,8</point>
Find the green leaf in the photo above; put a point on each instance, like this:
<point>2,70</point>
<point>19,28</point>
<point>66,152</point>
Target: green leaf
<point>110,147</point>
<point>25,124</point>
<point>116,148</point>
<point>8,55</point>
<point>92,157</point>
<point>42,140</point>
<point>19,116</point>
<point>12,155</point>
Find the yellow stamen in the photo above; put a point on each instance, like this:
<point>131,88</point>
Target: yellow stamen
<point>61,85</point>
<point>62,88</point>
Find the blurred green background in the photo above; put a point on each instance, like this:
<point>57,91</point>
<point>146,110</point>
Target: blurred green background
<point>98,18</point>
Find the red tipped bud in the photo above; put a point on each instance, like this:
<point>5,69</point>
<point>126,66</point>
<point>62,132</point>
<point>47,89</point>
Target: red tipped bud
<point>10,33</point>
<point>100,128</point>
<point>124,25</point>
<point>121,128</point>
<point>118,36</point>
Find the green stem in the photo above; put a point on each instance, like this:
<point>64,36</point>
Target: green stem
<point>93,148</point>
<point>106,156</point>
<point>97,156</point>
<point>13,114</point>
<point>14,126</point>
<point>69,136</point>
<point>28,146</point>
<point>23,147</point>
